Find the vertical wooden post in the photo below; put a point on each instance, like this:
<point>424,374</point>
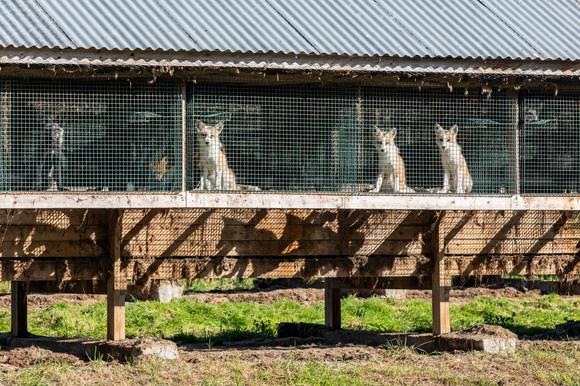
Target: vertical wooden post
<point>332,304</point>
<point>19,312</point>
<point>184,136</point>
<point>441,282</point>
<point>117,284</point>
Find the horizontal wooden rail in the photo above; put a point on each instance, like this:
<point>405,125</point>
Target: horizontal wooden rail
<point>143,270</point>
<point>284,201</point>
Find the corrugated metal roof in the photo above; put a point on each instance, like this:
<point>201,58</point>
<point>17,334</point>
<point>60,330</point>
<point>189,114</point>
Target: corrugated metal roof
<point>458,28</point>
<point>487,29</point>
<point>551,27</point>
<point>242,26</point>
<point>26,24</point>
<point>133,24</point>
<point>351,27</point>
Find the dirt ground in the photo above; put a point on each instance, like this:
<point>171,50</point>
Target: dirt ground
<point>306,361</point>
<point>267,296</point>
<point>535,363</point>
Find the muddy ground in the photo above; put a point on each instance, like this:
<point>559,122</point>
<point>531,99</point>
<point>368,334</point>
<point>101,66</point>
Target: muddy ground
<point>537,361</point>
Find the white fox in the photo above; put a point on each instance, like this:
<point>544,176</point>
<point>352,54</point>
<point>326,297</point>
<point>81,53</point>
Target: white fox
<point>212,160</point>
<point>456,176</point>
<point>391,176</point>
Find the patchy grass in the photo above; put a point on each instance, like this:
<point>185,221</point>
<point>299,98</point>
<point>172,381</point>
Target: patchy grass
<point>4,287</point>
<point>316,366</point>
<point>556,363</point>
<point>212,285</point>
<point>190,320</point>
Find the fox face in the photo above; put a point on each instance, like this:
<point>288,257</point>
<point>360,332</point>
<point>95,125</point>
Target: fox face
<point>445,138</point>
<point>210,134</point>
<point>384,138</point>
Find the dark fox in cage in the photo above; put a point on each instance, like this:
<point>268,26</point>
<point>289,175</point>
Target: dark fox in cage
<point>51,168</point>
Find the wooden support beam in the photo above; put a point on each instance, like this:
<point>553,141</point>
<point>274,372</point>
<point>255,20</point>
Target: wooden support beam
<point>332,304</point>
<point>143,269</point>
<point>441,281</point>
<point>96,200</point>
<point>375,283</point>
<point>117,283</point>
<point>19,308</point>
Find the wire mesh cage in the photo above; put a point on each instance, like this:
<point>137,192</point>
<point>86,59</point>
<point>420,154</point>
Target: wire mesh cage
<point>90,136</point>
<point>349,140</point>
<point>281,139</point>
<point>99,136</point>
<point>550,143</point>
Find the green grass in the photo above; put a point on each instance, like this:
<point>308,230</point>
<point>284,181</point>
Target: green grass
<point>190,320</point>
<point>209,285</point>
<point>4,287</point>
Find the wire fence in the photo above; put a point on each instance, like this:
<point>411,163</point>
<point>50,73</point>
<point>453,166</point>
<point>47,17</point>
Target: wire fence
<point>550,143</point>
<point>119,136</point>
<point>90,136</point>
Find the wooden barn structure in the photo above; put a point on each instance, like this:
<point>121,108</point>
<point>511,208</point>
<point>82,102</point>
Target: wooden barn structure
<point>108,109</point>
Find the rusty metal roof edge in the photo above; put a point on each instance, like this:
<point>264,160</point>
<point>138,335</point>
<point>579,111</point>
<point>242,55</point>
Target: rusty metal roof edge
<point>282,62</point>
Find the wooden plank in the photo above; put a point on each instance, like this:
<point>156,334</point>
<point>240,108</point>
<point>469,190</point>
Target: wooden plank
<point>282,232</point>
<point>171,268</point>
<point>331,305</point>
<point>44,232</point>
<point>52,269</point>
<point>441,281</point>
<point>285,201</point>
<point>38,248</point>
<point>399,282</point>
<point>19,309</point>
<point>282,248</point>
<point>117,283</point>
<point>58,218</point>
<point>96,200</point>
<point>262,218</point>
<point>371,267</point>
<point>512,246</point>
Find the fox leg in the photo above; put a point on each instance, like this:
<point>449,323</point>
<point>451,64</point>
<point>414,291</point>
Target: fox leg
<point>460,182</point>
<point>202,181</point>
<point>396,184</point>
<point>379,183</point>
<point>446,178</point>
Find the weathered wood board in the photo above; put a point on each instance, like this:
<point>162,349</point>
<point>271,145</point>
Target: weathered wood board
<point>183,241</point>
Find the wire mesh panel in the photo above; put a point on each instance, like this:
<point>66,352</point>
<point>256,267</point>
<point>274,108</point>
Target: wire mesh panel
<point>467,136</point>
<point>272,138</point>
<point>65,135</point>
<point>550,143</point>
<point>351,140</point>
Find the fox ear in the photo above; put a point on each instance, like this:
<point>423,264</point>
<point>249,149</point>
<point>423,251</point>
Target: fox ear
<point>219,127</point>
<point>199,125</point>
<point>378,131</point>
<point>393,132</point>
<point>454,129</point>
<point>438,127</point>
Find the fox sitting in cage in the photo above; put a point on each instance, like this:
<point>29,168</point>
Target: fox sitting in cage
<point>456,176</point>
<point>216,173</point>
<point>391,178</point>
<point>51,168</point>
